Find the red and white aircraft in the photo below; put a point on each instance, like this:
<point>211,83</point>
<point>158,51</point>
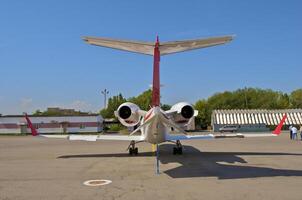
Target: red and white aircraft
<point>156,124</point>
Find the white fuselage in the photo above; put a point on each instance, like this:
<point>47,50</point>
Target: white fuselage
<point>156,131</point>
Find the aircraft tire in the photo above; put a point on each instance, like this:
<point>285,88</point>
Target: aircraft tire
<point>179,150</point>
<point>174,150</point>
<point>135,151</point>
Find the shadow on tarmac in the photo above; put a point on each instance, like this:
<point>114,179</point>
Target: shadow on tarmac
<point>195,163</point>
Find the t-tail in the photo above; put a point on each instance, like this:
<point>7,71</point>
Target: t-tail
<point>157,50</point>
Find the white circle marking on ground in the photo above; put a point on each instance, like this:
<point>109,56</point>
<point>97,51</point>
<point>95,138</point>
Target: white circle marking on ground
<point>95,183</point>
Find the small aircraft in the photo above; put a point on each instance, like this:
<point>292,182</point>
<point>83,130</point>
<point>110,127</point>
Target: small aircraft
<point>155,126</point>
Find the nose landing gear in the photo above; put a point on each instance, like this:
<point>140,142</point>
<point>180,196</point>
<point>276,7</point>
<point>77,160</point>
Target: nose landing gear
<point>178,148</point>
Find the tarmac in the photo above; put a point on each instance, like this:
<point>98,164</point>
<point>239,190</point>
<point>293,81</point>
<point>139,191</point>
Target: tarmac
<point>252,168</point>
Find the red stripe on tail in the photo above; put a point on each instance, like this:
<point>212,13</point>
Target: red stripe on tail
<point>277,131</point>
<point>156,78</point>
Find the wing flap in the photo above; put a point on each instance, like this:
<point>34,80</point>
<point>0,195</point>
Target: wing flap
<point>121,137</point>
<point>219,136</point>
<point>250,135</point>
<point>190,137</point>
<point>93,138</point>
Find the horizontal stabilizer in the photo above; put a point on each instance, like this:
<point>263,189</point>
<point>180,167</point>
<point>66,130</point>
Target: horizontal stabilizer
<point>165,48</point>
<point>180,46</point>
<point>132,46</point>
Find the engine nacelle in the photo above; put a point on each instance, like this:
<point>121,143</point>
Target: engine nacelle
<point>184,109</point>
<point>128,114</point>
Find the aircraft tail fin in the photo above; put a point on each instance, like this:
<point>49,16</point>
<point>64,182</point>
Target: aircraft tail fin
<point>156,77</point>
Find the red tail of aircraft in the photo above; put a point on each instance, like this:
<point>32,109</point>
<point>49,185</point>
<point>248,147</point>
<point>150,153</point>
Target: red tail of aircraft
<point>156,78</point>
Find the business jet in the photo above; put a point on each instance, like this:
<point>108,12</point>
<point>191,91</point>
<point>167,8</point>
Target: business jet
<point>155,126</point>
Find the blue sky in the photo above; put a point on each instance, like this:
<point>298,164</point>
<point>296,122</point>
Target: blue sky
<point>44,62</point>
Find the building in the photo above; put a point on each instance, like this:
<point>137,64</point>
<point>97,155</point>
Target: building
<point>53,111</point>
<point>255,120</point>
<point>16,124</point>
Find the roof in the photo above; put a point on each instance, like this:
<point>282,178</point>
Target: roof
<point>256,111</point>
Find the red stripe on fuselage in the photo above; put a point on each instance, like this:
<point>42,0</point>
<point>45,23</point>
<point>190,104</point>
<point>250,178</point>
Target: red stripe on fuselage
<point>148,115</point>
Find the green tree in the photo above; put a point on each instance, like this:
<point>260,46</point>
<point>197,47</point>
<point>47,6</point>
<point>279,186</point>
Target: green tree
<point>204,113</point>
<point>246,98</point>
<point>165,107</point>
<point>143,100</point>
<point>113,104</point>
<point>296,99</point>
<point>37,113</point>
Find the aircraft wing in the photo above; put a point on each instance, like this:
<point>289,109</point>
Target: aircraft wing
<point>219,136</point>
<point>276,132</point>
<point>165,48</point>
<point>93,138</point>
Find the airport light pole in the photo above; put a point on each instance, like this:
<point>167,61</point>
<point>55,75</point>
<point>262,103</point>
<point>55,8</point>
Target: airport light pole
<point>105,92</point>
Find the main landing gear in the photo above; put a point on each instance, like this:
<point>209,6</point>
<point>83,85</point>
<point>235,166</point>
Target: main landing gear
<point>178,148</point>
<point>132,149</point>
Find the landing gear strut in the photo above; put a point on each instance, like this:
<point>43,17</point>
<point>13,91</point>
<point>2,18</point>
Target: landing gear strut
<point>178,148</point>
<point>132,149</point>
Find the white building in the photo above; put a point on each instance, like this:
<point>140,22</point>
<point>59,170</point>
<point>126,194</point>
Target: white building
<point>255,119</point>
<point>16,124</point>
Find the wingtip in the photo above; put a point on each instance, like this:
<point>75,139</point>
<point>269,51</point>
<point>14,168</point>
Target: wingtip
<point>278,129</point>
<point>29,123</point>
<point>85,38</point>
<point>232,37</point>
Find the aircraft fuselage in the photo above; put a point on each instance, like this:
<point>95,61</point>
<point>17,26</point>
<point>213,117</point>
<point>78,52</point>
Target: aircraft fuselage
<point>155,132</point>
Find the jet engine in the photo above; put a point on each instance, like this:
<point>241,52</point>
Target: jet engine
<point>184,110</point>
<point>128,114</point>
